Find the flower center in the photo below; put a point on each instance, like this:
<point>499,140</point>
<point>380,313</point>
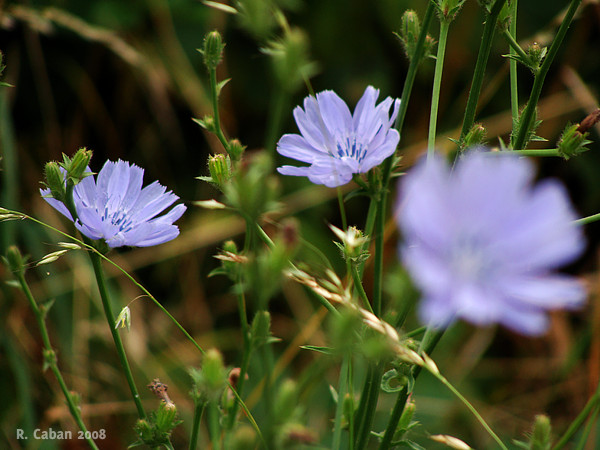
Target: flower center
<point>351,148</point>
<point>119,219</point>
<point>470,260</point>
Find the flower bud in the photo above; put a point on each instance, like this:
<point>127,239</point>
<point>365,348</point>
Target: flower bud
<point>541,433</point>
<point>14,260</point>
<point>78,165</point>
<point>243,438</point>
<point>572,142</point>
<point>536,54</point>
<point>219,167</point>
<point>210,381</point>
<point>352,243</point>
<point>212,50</point>
<point>475,137</point>
<point>55,180</point>
<point>286,401</point>
<point>409,32</point>
<point>448,9</point>
<point>235,149</point>
<point>450,441</point>
<point>290,59</point>
<point>590,120</point>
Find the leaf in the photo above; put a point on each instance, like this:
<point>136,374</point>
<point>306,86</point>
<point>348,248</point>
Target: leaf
<point>221,7</point>
<point>316,348</point>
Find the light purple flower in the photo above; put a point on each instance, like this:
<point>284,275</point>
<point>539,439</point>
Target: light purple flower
<point>336,143</point>
<point>481,243</point>
<point>114,207</point>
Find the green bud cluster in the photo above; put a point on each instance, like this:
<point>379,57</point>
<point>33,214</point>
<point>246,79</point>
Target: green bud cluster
<point>209,381</point>
<point>219,167</point>
<point>212,50</point>
<point>55,181</point>
<point>289,56</point>
<point>14,260</point>
<point>474,138</point>
<point>410,28</point>
<point>572,142</point>
<point>155,431</point>
<point>448,9</point>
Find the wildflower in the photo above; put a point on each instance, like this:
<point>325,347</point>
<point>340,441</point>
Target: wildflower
<point>481,244</point>
<point>114,207</point>
<point>336,143</point>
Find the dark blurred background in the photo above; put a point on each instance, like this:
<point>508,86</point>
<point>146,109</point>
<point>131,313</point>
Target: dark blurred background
<point>124,79</point>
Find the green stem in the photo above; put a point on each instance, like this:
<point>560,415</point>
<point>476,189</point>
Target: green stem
<point>470,407</point>
<point>576,424</point>
<point>437,84</point>
<point>482,59</point>
<point>110,318</point>
<point>215,103</point>
<point>277,109</point>
<point>588,219</point>
<point>198,411</point>
<point>527,117</point>
<point>50,358</point>
<point>367,406</point>
<point>428,343</point>
<point>411,75</point>
<point>245,328</point>
<point>339,410</point>
<point>514,91</point>
<point>588,429</point>
<point>515,48</point>
<point>108,312</point>
<point>360,288</point>
<point>213,425</point>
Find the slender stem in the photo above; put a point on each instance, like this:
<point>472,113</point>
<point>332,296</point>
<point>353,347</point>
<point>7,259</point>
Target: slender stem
<point>110,318</point>
<point>588,219</point>
<point>340,197</point>
<point>512,35</point>
<point>339,410</point>
<point>515,48</point>
<point>470,407</point>
<point>576,424</point>
<point>437,84</point>
<point>527,117</point>
<point>50,358</point>
<point>198,411</point>
<point>428,343</point>
<point>279,105</point>
<point>245,356</point>
<point>360,288</point>
<point>106,305</point>
<point>213,425</point>
<point>588,428</point>
<point>482,59</point>
<point>215,103</point>
<point>366,408</point>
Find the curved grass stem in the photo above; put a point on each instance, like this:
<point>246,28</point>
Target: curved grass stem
<point>50,359</point>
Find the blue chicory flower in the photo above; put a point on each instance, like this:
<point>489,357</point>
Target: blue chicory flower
<point>482,244</point>
<point>336,143</point>
<point>114,207</point>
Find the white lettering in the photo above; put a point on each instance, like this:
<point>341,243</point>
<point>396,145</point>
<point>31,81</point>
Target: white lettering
<point>21,433</point>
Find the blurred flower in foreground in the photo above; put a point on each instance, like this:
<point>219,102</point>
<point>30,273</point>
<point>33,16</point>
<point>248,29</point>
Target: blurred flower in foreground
<point>336,143</point>
<point>481,243</point>
<point>116,208</point>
